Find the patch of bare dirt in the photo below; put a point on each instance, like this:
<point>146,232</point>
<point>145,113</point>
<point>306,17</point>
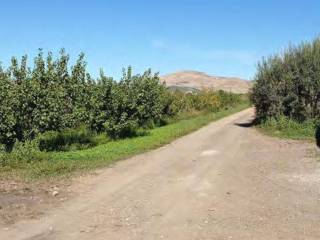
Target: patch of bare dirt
<point>21,200</point>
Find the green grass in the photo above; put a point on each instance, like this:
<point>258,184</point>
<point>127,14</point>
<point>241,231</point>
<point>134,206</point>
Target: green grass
<point>66,163</point>
<point>289,129</point>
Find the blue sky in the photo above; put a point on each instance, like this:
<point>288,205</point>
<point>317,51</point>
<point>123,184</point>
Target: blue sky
<point>218,37</point>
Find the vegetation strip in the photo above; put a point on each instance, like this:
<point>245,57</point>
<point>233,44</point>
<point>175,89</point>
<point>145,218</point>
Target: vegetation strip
<point>56,119</point>
<point>289,129</point>
<point>64,163</point>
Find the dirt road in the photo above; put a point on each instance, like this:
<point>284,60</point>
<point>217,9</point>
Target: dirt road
<point>225,181</point>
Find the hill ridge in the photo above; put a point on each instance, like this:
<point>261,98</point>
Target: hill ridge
<point>200,80</point>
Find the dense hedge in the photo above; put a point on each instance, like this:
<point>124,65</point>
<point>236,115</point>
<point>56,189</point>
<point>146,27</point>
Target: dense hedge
<point>52,97</point>
<point>47,97</point>
<point>51,100</point>
<point>289,84</point>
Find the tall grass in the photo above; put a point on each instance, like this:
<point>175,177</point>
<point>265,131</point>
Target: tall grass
<point>285,127</point>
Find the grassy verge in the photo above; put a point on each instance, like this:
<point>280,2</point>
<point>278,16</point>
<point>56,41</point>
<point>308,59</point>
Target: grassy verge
<point>289,129</point>
<point>65,163</point>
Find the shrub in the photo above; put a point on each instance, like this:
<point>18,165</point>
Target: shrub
<point>51,101</point>
<point>207,100</point>
<point>287,127</point>
<point>47,97</point>
<point>289,84</point>
<point>134,102</point>
<point>286,92</point>
<point>79,138</point>
<point>178,103</point>
<point>22,153</point>
<point>7,114</point>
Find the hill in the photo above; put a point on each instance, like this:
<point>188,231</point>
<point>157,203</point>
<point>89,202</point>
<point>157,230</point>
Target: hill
<point>198,80</point>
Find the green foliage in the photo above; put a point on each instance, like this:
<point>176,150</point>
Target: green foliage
<point>22,153</point>
<point>63,108</point>
<point>211,101</point>
<point>62,163</point>
<point>49,97</point>
<point>132,103</point>
<point>45,98</point>
<point>286,127</point>
<point>78,138</point>
<point>287,92</point>
<point>289,84</point>
<point>7,114</point>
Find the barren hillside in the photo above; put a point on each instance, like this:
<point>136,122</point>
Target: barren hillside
<point>199,80</point>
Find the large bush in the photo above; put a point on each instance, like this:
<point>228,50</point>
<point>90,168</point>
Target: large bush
<point>44,98</point>
<point>289,84</point>
<point>122,107</point>
<point>7,110</point>
<point>54,96</point>
<point>135,101</point>
<point>50,96</point>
